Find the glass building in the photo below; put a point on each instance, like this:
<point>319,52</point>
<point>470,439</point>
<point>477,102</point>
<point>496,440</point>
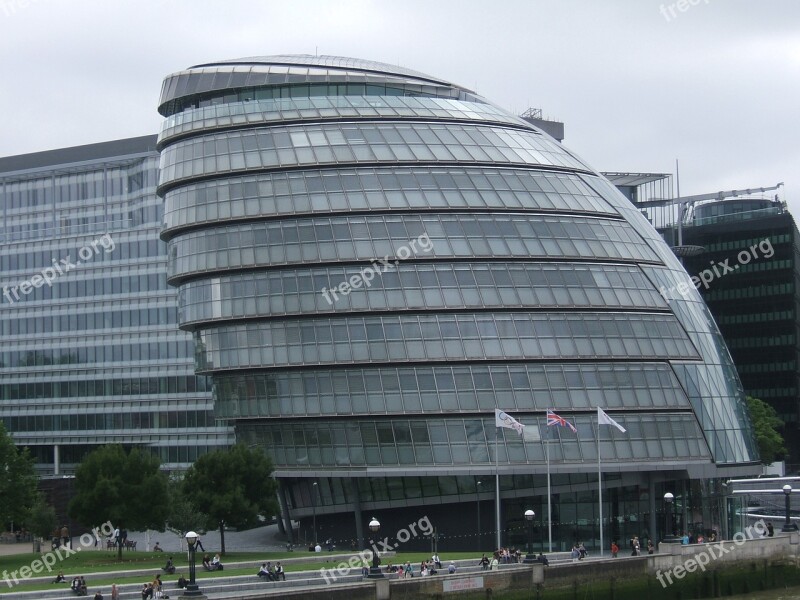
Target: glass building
<point>91,353</point>
<point>371,260</point>
<point>756,304</point>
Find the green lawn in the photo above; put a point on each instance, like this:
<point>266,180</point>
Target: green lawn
<point>95,566</point>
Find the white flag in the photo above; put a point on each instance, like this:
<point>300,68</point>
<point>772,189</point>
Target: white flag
<point>503,419</point>
<point>531,434</point>
<point>604,419</point>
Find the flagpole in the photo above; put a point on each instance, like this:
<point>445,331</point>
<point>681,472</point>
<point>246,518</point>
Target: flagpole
<point>549,510</point>
<point>497,486</point>
<point>600,484</point>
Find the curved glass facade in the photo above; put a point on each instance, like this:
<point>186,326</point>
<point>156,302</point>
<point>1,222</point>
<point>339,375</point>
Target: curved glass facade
<point>473,285</point>
<point>372,260</point>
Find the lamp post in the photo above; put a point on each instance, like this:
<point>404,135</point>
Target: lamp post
<point>669,537</point>
<point>314,505</point>
<point>478,494</point>
<point>530,557</point>
<point>375,570</point>
<point>191,591</point>
<point>788,526</point>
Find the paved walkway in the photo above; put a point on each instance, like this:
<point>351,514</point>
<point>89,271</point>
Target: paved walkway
<point>260,539</point>
<point>14,548</point>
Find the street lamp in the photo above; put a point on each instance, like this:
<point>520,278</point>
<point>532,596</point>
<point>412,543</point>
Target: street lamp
<point>375,570</point>
<point>788,525</point>
<point>314,505</point>
<point>529,515</point>
<point>192,591</point>
<point>669,537</point>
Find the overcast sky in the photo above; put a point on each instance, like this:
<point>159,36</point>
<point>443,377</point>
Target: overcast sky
<point>638,83</point>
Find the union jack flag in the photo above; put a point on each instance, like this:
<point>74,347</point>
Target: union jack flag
<point>554,419</point>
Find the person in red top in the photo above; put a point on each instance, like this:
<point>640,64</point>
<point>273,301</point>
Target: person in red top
<point>614,549</point>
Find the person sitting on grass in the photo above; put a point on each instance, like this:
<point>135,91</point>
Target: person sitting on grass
<point>60,578</point>
<point>79,586</point>
<point>279,573</point>
<point>264,572</point>
<point>207,562</point>
<point>157,548</point>
<point>147,591</point>
<point>169,568</point>
<point>216,565</point>
<point>182,581</point>
<point>98,595</point>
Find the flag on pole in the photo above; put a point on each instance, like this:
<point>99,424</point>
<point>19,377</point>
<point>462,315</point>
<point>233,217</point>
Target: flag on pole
<point>503,419</point>
<point>604,419</point>
<point>531,434</point>
<point>554,419</point>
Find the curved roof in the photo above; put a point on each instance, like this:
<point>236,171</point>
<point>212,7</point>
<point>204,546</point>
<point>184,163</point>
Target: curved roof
<point>343,62</point>
<point>259,71</point>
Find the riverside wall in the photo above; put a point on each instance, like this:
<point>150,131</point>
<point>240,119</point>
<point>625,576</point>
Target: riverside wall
<point>728,568</point>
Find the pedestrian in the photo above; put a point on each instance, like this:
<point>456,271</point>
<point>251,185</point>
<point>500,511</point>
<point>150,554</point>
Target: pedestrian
<point>65,539</point>
<point>650,547</point>
<point>484,562</point>
<point>614,549</point>
<point>770,529</point>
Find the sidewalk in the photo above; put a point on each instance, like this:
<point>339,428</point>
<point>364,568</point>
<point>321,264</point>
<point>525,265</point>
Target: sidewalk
<point>260,539</point>
<point>16,548</point>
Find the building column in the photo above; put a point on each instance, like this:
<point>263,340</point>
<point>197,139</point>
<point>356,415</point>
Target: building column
<point>287,518</point>
<point>357,514</point>
<point>651,493</point>
<point>56,460</point>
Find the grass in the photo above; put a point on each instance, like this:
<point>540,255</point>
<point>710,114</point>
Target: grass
<point>96,566</point>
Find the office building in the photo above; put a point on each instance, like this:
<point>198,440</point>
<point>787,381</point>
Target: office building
<point>372,260</point>
<point>91,353</point>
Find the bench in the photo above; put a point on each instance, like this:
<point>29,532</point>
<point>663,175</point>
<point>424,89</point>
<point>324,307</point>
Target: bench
<point>128,545</point>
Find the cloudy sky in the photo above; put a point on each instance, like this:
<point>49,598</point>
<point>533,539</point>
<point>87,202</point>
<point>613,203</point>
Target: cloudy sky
<point>638,83</point>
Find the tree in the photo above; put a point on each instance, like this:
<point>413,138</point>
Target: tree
<point>183,516</point>
<point>123,488</point>
<point>17,480</point>
<point>42,519</point>
<point>765,426</point>
<point>233,487</point>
